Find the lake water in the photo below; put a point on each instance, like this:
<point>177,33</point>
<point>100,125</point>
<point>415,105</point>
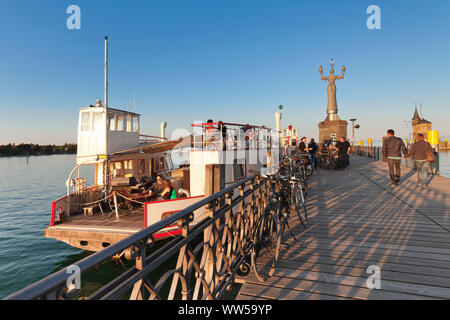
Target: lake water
<point>444,164</point>
<point>26,193</point>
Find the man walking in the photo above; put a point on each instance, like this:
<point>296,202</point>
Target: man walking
<point>419,154</point>
<point>343,148</point>
<point>392,150</point>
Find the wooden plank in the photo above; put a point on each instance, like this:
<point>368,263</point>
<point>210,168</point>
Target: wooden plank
<point>318,287</point>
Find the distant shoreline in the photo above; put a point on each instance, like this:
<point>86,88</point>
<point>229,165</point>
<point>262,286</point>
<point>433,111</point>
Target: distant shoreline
<point>27,150</point>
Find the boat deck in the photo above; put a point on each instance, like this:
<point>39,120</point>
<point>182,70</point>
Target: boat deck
<point>134,221</point>
<point>357,220</point>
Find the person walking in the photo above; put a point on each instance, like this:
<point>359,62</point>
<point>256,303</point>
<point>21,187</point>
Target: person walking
<point>419,152</point>
<point>392,150</point>
<point>343,147</point>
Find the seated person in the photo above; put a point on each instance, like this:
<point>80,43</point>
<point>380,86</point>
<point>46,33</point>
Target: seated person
<point>168,189</point>
<point>161,190</point>
<point>157,188</point>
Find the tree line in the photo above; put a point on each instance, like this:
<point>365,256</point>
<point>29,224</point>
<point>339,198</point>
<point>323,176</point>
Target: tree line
<point>36,149</point>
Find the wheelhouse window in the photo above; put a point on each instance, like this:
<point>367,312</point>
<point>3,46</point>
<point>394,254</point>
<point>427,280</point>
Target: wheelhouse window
<point>98,123</point>
<point>85,121</point>
<point>120,123</point>
<point>129,124</point>
<point>135,124</point>
<point>112,122</point>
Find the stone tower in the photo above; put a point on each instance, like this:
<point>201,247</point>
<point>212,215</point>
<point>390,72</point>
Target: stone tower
<point>420,125</point>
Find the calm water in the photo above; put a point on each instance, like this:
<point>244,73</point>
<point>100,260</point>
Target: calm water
<point>26,193</point>
<point>444,164</point>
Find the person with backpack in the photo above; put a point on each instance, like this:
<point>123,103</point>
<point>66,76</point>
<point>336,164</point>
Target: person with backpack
<point>418,152</point>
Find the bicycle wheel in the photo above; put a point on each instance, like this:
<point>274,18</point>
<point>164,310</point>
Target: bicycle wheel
<point>303,184</point>
<point>300,206</point>
<point>267,246</point>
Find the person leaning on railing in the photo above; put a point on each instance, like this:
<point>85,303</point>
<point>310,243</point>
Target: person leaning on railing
<point>418,152</point>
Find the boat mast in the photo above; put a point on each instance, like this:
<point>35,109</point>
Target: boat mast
<point>106,115</point>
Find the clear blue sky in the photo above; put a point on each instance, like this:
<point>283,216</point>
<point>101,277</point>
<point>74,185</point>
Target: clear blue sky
<point>226,60</point>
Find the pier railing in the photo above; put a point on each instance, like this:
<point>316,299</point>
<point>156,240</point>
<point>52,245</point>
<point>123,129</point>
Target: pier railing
<point>209,255</point>
<point>376,153</point>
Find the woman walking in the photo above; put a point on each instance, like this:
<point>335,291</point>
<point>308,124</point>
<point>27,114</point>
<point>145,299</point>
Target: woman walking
<point>419,152</point>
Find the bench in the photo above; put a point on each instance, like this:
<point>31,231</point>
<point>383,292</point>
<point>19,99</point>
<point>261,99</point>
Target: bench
<point>89,210</point>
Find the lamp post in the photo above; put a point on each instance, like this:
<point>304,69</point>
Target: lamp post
<point>353,129</point>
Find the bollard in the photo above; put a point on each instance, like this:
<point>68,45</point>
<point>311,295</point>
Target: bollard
<point>433,139</point>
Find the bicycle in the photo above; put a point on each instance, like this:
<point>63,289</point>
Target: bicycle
<point>266,244</point>
<point>270,231</point>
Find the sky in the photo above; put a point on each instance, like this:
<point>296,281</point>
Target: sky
<point>234,61</point>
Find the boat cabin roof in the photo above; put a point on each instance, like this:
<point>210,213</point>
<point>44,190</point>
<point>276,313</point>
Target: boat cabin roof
<point>152,148</point>
<point>94,108</point>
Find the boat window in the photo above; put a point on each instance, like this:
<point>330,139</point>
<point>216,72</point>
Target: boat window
<point>129,124</point>
<point>141,166</point>
<point>150,165</point>
<point>238,170</point>
<point>135,124</point>
<point>85,121</point>
<point>112,122</point>
<point>116,168</point>
<point>169,162</point>
<point>98,121</point>
<point>128,167</point>
<point>162,166</point>
<point>120,123</point>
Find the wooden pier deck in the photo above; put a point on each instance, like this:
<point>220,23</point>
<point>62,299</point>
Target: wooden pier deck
<point>357,219</point>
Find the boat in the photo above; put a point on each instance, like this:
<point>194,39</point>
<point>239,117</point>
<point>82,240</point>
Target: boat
<point>126,163</point>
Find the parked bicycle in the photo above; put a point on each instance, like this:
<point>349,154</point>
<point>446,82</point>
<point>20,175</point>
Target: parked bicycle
<point>286,198</point>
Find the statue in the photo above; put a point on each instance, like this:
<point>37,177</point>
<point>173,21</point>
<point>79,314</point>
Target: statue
<point>332,104</point>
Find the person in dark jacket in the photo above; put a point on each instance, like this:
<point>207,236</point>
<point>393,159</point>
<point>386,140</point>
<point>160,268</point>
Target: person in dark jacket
<point>419,154</point>
<point>343,147</point>
<point>392,150</point>
<point>312,147</point>
<point>302,145</point>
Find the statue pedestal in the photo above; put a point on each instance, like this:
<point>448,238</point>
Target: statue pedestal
<point>332,130</point>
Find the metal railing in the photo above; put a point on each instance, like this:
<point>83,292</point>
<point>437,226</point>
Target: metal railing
<point>370,152</point>
<point>143,138</point>
<point>209,254</point>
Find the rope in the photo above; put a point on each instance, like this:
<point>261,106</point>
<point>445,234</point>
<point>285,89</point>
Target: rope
<point>94,202</point>
<point>129,199</point>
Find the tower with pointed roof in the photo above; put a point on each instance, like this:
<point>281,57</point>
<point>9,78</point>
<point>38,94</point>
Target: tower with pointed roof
<point>420,125</point>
